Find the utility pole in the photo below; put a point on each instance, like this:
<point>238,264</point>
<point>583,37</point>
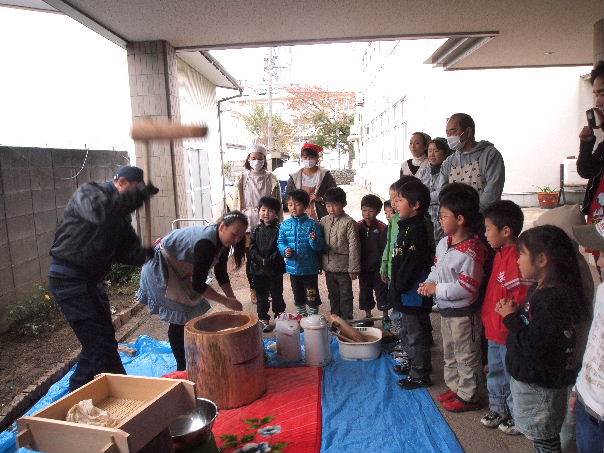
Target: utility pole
<point>269,131</point>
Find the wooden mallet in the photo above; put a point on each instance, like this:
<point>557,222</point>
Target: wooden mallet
<point>148,130</point>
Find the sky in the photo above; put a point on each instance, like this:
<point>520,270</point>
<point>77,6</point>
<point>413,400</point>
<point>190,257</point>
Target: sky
<point>333,66</point>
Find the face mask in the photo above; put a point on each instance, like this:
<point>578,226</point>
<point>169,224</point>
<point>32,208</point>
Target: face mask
<point>454,142</point>
<point>309,163</point>
<point>257,164</point>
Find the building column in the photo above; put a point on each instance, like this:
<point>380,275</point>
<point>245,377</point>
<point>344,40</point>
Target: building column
<point>153,77</point>
<point>599,40</point>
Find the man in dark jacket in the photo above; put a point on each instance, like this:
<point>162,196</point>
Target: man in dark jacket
<point>590,164</point>
<point>96,231</point>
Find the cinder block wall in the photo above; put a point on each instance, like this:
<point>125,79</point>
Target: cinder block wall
<point>35,185</point>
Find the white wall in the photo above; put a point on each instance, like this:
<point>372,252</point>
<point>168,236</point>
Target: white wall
<point>198,100</point>
<point>533,116</point>
<point>61,84</point>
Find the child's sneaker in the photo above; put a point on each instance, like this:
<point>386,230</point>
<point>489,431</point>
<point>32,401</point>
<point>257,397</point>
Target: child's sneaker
<point>492,419</point>
<point>508,427</point>
<point>459,405</point>
<point>446,396</point>
<point>410,383</point>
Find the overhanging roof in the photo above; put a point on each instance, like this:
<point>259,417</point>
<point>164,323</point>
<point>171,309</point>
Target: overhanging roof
<point>527,33</point>
<point>210,68</point>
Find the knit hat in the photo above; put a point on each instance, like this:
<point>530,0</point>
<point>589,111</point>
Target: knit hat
<point>129,172</point>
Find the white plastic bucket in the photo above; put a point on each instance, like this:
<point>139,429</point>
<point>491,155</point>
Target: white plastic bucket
<point>288,340</point>
<point>369,350</point>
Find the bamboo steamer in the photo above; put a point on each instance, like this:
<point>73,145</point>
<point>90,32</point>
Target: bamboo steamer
<point>225,358</point>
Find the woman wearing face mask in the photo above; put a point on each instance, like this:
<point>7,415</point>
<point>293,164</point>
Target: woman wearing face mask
<point>251,185</point>
<point>313,179</point>
<point>173,283</point>
<point>438,151</point>
<point>418,145</point>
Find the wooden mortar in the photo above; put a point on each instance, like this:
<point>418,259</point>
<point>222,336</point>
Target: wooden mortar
<point>225,358</point>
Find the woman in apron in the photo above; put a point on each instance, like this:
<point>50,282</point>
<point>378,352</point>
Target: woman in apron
<point>313,179</point>
<point>251,185</point>
<point>174,283</point>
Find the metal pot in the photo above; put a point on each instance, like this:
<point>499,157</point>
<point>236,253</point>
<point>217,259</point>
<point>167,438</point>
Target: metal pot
<point>195,427</point>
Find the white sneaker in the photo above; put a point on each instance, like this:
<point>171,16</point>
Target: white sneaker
<point>508,427</point>
<point>492,419</point>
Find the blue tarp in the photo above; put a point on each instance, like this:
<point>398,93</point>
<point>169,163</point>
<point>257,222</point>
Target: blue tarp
<point>364,409</point>
<point>154,359</point>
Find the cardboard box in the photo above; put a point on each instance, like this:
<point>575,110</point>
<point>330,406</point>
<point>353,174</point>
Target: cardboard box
<point>145,407</point>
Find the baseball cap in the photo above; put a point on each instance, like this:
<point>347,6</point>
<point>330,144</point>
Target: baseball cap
<point>591,236</point>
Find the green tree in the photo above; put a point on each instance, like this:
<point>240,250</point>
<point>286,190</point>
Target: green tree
<point>257,123</point>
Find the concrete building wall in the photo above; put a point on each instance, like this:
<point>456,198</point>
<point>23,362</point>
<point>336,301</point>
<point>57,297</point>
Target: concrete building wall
<point>35,185</point>
<point>533,116</point>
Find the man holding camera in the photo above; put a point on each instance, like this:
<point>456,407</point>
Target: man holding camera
<point>590,164</point>
<point>96,231</point>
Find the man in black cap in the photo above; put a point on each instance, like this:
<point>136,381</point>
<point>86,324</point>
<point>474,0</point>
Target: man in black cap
<point>96,231</point>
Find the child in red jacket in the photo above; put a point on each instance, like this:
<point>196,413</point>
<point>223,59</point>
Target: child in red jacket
<point>503,221</point>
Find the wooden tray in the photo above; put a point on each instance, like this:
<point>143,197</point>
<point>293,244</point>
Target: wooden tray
<point>144,406</point>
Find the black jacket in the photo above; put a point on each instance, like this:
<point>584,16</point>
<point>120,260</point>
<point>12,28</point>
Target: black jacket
<point>373,242</point>
<point>412,259</point>
<point>265,258</point>
<point>96,230</point>
<point>541,339</point>
<point>590,166</point>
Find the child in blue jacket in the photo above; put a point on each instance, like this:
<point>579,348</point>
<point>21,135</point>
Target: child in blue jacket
<point>301,241</point>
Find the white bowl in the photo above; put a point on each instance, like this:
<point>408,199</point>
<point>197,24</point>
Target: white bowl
<point>369,350</point>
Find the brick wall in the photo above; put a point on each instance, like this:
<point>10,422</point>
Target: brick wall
<point>35,185</point>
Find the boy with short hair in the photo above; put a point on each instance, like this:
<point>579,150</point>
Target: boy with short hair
<point>301,241</point>
<point>411,261</point>
<point>388,210</point>
<point>372,236</point>
<point>503,222</point>
<point>266,263</point>
<point>341,260</point>
<point>455,282</point>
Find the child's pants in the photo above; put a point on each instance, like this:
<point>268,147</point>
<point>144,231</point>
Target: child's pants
<point>498,379</point>
<point>369,283</point>
<point>265,285</point>
<point>461,348</point>
<point>339,291</point>
<point>306,292</point>
<point>590,430</point>
<point>538,413</point>
<point>417,342</point>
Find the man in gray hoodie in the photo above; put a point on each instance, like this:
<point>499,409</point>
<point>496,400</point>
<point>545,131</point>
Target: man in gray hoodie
<point>478,164</point>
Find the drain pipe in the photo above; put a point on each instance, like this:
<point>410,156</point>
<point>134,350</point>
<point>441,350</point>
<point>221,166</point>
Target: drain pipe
<point>219,103</point>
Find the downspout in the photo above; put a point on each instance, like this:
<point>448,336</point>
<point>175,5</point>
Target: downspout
<point>220,101</point>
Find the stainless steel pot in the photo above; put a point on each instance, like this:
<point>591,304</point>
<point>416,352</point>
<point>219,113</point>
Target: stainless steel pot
<point>195,427</point>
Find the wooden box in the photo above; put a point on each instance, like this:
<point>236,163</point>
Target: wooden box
<point>145,407</point>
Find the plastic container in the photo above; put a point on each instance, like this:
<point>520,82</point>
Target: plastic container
<point>287,330</point>
<point>369,350</point>
<point>316,340</point>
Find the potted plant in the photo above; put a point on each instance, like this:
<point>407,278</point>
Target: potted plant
<point>548,197</point>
